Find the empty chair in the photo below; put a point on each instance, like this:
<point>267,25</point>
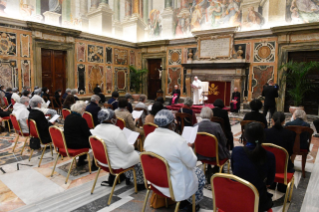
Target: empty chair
<point>120,123</point>
<point>148,128</point>
<point>65,112</point>
<point>89,119</point>
<point>18,131</point>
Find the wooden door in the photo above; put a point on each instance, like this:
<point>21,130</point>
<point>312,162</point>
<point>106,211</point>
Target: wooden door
<point>53,70</point>
<point>154,81</point>
<point>310,103</point>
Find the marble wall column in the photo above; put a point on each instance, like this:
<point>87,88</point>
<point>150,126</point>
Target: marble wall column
<point>145,11</point>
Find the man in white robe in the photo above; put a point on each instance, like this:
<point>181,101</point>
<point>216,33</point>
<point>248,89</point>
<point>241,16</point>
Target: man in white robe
<point>197,91</point>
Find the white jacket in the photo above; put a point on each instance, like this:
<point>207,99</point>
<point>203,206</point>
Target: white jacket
<point>22,114</point>
<point>181,160</point>
<point>121,153</point>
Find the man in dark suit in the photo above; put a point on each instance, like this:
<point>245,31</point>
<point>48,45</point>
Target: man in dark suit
<point>219,112</point>
<point>94,108</point>
<point>8,95</point>
<point>38,116</point>
<point>113,101</point>
<point>270,92</point>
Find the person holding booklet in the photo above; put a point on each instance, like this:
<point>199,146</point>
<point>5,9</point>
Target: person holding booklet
<point>121,154</point>
<point>44,107</point>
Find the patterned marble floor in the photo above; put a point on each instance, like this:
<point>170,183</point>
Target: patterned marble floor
<point>33,189</point>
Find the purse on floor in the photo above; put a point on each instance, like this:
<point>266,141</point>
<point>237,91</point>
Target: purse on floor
<point>157,201</point>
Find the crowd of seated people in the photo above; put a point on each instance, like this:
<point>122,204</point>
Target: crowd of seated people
<point>114,100</point>
<point>254,115</point>
<point>94,108</point>
<point>69,100</point>
<point>187,108</point>
<point>157,106</point>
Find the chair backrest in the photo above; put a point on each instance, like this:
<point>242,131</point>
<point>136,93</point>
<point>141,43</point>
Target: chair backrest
<point>156,171</point>
<point>149,128</point>
<point>65,113</point>
<point>58,139</point>
<point>298,130</point>
<point>231,193</point>
<point>180,118</point>
<point>33,129</point>
<point>244,123</point>
<point>106,105</point>
<point>89,119</point>
<point>100,152</point>
<point>5,100</point>
<point>16,124</point>
<point>13,102</point>
<point>219,121</point>
<point>281,156</point>
<point>207,145</point>
<point>120,123</point>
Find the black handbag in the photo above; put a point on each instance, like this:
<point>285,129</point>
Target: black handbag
<point>35,143</point>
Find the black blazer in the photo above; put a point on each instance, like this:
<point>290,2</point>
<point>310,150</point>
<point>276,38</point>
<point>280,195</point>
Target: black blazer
<point>218,112</point>
<point>129,107</point>
<point>42,125</point>
<point>76,132</point>
<point>256,116</point>
<point>8,95</point>
<point>270,93</point>
<point>4,114</point>
<point>93,108</point>
<point>46,97</point>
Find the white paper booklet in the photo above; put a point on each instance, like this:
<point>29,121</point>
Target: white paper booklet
<point>86,102</point>
<point>54,118</point>
<point>130,135</point>
<point>137,114</point>
<point>48,103</point>
<point>149,108</point>
<point>8,106</point>
<point>190,133</point>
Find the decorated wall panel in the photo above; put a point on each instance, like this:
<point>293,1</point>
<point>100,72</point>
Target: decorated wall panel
<point>174,78</point>
<point>175,57</point>
<point>96,77</point>
<point>109,55</point>
<point>264,52</point>
<point>81,78</point>
<point>260,76</point>
<point>26,73</point>
<point>81,52</point>
<point>120,56</point>
<point>95,54</point>
<point>8,44</point>
<point>25,45</point>
<point>121,75</point>
<point>9,73</point>
<point>109,79</point>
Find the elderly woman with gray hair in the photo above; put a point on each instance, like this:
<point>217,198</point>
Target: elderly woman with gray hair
<point>122,155</point>
<point>187,108</point>
<point>299,119</point>
<point>77,131</point>
<point>44,108</point>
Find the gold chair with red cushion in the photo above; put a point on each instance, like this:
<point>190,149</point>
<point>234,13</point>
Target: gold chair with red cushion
<point>13,102</point>
<point>149,128</point>
<point>102,160</point>
<point>34,133</point>
<point>89,119</point>
<point>296,149</point>
<point>156,171</point>
<point>18,131</point>
<point>7,119</point>
<point>231,193</point>
<point>65,112</point>
<point>61,148</point>
<point>207,145</point>
<point>282,176</point>
<point>6,103</point>
<point>120,123</point>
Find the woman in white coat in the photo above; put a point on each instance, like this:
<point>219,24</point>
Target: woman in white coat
<point>121,154</point>
<point>186,178</point>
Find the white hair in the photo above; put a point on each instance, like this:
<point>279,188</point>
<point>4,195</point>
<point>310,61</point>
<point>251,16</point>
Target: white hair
<point>95,98</point>
<point>78,106</point>
<point>68,90</point>
<point>74,91</point>
<point>206,113</point>
<point>35,100</point>
<point>24,99</point>
<point>188,101</point>
<point>300,114</point>
<point>37,91</point>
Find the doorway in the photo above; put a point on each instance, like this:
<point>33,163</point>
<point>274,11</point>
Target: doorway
<point>310,103</point>
<point>154,80</point>
<point>53,70</point>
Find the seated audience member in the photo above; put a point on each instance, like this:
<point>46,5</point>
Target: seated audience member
<point>26,88</point>
<point>187,108</point>
<point>35,88</point>
<point>157,106</point>
<point>97,91</point>
<point>285,138</point>
<point>4,113</point>
<point>129,105</point>
<point>254,115</point>
<point>20,110</point>
<point>74,93</point>
<point>207,126</point>
<point>37,115</point>
<point>57,95</point>
<point>45,94</point>
<point>121,154</point>
<point>77,132</point>
<point>141,103</point>
<point>26,93</point>
<point>113,101</point>
<point>316,124</point>
<point>68,102</point>
<point>44,106</point>
<point>299,119</point>
<point>186,178</point>
<point>94,108</point>
<point>67,92</point>
<point>223,114</point>
<point>15,94</point>
<point>254,164</point>
<point>8,95</point>
<point>175,95</point>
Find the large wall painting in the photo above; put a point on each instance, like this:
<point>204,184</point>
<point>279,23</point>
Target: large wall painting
<point>8,44</point>
<point>120,57</point>
<point>173,78</point>
<point>25,45</point>
<point>81,78</point>
<point>81,52</point>
<point>96,77</point>
<point>95,54</point>
<point>9,73</point>
<point>120,78</point>
<point>260,76</point>
<point>26,73</point>
<point>109,79</point>
<point>264,52</point>
<point>302,11</point>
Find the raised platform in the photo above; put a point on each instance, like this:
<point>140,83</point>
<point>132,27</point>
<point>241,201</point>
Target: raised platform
<point>195,108</point>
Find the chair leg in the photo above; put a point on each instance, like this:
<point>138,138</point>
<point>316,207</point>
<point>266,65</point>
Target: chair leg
<point>15,144</point>
<point>57,158</point>
<point>204,168</point>
<point>9,125</point>
<point>67,177</point>
<point>89,162</point>
<point>111,194</point>
<point>135,183</point>
<point>194,203</point>
<point>177,206</point>
<point>292,188</point>
<point>96,177</point>
<point>286,197</point>
<point>26,139</point>
<point>293,156</point>
<point>51,150</point>
<point>146,200</point>
<point>45,147</point>
<point>31,155</point>
<point>166,202</point>
<point>221,168</point>
<point>304,159</point>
